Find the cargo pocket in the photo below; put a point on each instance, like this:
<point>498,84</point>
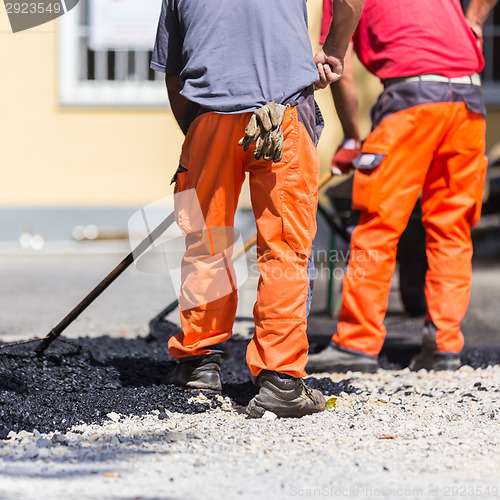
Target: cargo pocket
<point>366,190</point>
<point>297,213</point>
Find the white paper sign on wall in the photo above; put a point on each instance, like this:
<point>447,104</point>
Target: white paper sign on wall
<point>123,24</point>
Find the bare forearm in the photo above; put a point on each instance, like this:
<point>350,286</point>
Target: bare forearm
<point>346,15</point>
<point>479,10</point>
<point>330,59</point>
<point>178,103</point>
<point>345,97</point>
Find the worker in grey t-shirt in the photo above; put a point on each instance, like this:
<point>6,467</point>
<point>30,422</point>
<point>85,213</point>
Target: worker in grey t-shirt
<point>242,71</point>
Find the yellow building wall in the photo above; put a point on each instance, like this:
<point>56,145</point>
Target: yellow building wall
<point>56,157</point>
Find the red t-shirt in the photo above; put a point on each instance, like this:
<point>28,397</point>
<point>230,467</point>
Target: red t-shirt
<point>412,37</point>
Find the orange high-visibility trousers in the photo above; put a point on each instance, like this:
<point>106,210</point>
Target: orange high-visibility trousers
<point>284,201</point>
<point>436,150</point>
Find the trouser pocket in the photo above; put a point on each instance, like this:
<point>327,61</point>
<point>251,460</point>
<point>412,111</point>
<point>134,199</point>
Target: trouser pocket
<point>366,190</point>
<point>299,194</point>
<point>298,213</point>
<point>299,224</point>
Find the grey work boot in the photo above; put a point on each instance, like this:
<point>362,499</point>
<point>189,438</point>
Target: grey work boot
<point>284,395</point>
<point>197,372</point>
<point>430,358</point>
<point>336,359</point>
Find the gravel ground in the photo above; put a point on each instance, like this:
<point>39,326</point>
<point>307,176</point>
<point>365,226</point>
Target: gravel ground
<point>399,435</point>
<point>99,424</point>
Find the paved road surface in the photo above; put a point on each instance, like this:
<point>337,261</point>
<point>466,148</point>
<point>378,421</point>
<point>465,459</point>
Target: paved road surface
<point>38,289</point>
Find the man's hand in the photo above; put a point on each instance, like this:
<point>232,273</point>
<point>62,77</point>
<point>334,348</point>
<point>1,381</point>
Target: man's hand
<point>346,15</point>
<point>265,130</point>
<point>347,152</point>
<point>330,69</point>
<point>477,29</point>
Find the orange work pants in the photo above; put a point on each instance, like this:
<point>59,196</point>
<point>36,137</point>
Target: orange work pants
<point>284,201</point>
<point>436,150</point>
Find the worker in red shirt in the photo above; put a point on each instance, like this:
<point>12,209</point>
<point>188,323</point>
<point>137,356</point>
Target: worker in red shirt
<point>428,140</point>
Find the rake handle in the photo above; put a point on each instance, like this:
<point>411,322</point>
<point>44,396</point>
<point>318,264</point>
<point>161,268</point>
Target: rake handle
<point>117,271</point>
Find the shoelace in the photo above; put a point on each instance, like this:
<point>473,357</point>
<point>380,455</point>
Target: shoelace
<point>308,391</point>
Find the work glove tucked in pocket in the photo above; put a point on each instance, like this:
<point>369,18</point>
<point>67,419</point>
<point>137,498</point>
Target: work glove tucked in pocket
<point>265,130</point>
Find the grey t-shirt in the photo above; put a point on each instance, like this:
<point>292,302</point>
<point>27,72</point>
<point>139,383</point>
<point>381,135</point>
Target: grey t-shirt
<point>235,56</point>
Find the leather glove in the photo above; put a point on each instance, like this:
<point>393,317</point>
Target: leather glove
<point>265,130</point>
<point>342,160</point>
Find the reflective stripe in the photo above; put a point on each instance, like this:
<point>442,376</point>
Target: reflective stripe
<point>368,161</point>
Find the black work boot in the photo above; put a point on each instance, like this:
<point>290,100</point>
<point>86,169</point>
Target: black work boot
<point>197,372</point>
<point>430,358</point>
<point>336,359</point>
<point>285,396</point>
